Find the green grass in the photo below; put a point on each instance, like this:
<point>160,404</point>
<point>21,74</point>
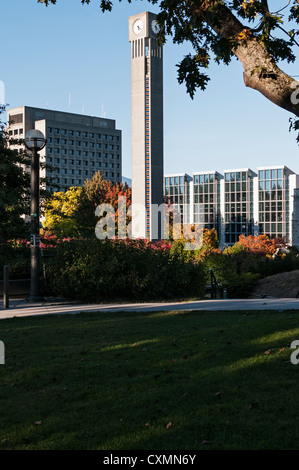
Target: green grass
<point>151,381</point>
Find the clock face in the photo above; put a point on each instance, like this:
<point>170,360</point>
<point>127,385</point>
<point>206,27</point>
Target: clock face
<point>155,27</point>
<point>138,26</point>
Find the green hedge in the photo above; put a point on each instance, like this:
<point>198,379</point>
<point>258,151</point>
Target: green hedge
<point>95,270</point>
<point>17,258</point>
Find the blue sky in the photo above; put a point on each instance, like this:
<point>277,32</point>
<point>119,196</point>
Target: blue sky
<point>72,57</point>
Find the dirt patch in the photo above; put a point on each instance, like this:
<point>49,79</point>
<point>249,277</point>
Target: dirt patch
<point>283,285</point>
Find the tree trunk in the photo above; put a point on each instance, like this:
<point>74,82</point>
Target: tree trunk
<point>260,70</point>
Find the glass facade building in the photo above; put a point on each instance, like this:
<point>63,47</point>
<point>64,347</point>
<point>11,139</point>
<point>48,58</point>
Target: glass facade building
<point>275,193</point>
<point>238,208</point>
<point>206,199</point>
<point>240,201</point>
<point>177,191</point>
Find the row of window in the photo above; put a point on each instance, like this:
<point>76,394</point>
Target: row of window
<point>174,180</point>
<point>80,182</point>
<point>172,190</point>
<point>201,179</point>
<point>205,188</point>
<point>15,132</point>
<point>271,217</point>
<point>206,198</point>
<point>209,220</point>
<point>65,161</point>
<point>236,176</point>
<point>80,143</point>
<point>270,174</point>
<point>80,172</point>
<point>271,195</point>
<point>84,153</point>
<point>232,187</point>
<point>84,134</point>
<point>77,171</point>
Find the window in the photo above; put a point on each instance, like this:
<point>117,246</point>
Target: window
<point>77,133</point>
<point>91,135</point>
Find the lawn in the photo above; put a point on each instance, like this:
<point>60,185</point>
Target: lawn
<point>150,381</point>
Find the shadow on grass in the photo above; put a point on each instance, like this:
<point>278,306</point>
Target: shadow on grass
<point>151,381</point>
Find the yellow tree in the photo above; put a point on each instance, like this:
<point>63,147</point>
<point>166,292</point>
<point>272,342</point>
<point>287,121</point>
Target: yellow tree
<point>59,212</point>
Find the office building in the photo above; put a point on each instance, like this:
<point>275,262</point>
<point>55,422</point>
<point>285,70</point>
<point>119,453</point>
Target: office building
<point>241,202</point>
<point>177,191</point>
<point>206,200</point>
<point>237,205</point>
<point>276,200</point>
<point>77,145</point>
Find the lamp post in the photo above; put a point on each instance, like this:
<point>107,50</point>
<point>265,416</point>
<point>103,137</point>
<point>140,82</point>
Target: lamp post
<point>35,142</point>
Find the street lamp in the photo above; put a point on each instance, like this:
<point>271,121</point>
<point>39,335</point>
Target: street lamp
<point>35,142</point>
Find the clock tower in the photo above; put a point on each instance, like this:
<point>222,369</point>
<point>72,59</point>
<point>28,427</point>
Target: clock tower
<point>147,126</point>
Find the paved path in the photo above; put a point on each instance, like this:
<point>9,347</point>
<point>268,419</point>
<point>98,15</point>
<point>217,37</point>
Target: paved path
<point>22,308</point>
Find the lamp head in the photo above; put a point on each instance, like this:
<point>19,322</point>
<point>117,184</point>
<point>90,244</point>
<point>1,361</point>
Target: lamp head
<point>35,140</point>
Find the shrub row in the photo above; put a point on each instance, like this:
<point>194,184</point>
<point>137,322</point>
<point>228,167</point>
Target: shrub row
<point>95,270</point>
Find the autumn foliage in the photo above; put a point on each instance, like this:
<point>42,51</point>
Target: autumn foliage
<point>260,244</point>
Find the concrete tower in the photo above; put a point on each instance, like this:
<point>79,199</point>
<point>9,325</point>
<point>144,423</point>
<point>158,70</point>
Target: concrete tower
<point>147,126</point>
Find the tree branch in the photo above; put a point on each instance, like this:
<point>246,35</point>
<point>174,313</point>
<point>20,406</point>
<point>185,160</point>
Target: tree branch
<point>260,70</point>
